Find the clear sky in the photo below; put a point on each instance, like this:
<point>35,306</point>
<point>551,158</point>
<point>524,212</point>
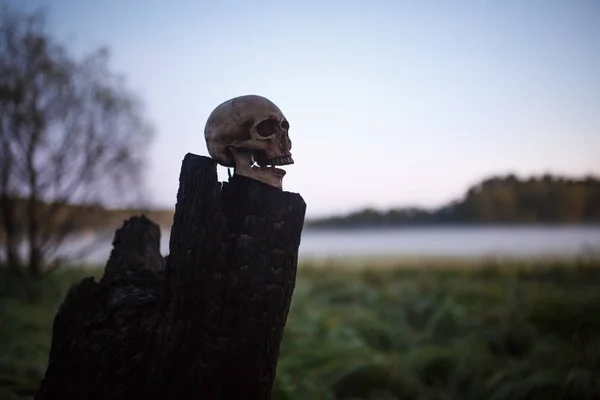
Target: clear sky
<point>391,103</point>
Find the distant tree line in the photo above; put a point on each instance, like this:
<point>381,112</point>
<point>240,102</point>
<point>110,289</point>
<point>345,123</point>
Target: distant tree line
<point>501,200</point>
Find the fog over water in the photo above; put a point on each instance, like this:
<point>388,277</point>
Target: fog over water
<point>463,242</point>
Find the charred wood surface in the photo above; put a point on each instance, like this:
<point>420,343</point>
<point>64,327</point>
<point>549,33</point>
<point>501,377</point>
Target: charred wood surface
<point>209,323</point>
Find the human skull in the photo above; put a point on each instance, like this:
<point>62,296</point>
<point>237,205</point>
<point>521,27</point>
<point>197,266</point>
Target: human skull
<point>247,130</point>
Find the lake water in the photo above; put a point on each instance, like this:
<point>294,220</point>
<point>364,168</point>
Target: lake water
<point>452,242</point>
<point>460,242</point>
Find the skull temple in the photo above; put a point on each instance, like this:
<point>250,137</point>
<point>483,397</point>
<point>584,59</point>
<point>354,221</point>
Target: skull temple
<point>250,133</point>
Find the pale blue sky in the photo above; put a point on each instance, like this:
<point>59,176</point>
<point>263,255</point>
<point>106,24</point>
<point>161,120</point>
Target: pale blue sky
<point>391,103</point>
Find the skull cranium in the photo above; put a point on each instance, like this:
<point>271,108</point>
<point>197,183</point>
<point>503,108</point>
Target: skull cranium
<point>246,130</point>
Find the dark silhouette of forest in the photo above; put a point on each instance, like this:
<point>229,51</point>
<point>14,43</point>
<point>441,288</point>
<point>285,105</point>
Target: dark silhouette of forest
<point>501,200</point>
<point>505,200</point>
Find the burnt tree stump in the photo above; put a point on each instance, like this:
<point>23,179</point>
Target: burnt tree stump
<point>206,324</point>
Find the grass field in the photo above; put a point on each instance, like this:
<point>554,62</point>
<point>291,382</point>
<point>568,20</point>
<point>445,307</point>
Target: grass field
<point>492,330</point>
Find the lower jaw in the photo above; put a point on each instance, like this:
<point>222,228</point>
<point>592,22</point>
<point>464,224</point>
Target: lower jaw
<point>278,172</point>
<point>267,175</point>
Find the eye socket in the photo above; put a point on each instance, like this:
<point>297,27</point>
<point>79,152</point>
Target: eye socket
<point>267,127</point>
<point>285,125</point>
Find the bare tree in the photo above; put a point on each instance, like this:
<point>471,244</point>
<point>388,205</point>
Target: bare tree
<point>70,133</point>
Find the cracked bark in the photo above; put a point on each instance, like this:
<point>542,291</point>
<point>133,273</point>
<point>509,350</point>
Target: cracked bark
<point>209,323</point>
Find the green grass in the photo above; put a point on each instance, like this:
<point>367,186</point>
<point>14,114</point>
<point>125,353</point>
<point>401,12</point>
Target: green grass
<point>27,309</point>
<point>496,330</point>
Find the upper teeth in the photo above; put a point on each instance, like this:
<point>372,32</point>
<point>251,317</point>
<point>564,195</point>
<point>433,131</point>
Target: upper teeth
<point>281,160</point>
